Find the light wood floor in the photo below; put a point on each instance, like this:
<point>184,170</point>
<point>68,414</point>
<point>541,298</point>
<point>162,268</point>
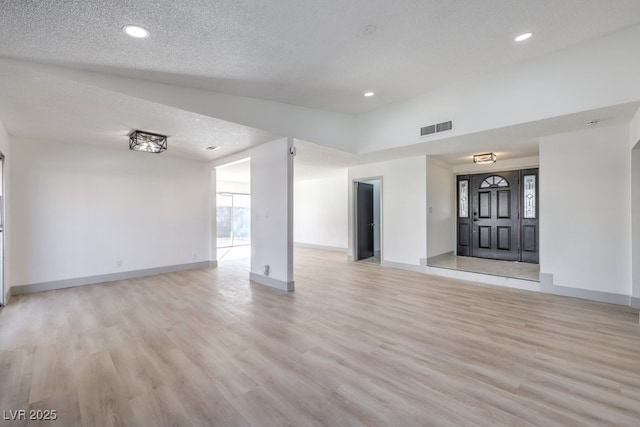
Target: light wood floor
<point>354,345</point>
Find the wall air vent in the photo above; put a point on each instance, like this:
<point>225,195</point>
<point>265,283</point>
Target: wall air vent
<point>428,130</point>
<point>440,127</point>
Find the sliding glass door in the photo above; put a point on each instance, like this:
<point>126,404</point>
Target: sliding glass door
<point>233,216</point>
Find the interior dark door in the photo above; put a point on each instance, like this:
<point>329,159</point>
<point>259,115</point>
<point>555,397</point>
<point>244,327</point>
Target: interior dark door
<point>495,222</point>
<point>364,219</point>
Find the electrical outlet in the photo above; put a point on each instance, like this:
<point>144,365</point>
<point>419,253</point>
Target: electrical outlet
<point>119,263</point>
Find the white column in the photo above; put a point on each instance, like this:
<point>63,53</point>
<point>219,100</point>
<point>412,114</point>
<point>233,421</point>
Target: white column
<point>272,214</point>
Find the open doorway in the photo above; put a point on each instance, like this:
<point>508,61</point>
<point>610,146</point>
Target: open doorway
<point>233,218</point>
<point>368,242</point>
<point>233,211</point>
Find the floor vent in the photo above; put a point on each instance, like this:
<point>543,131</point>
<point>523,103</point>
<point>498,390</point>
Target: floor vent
<point>440,127</point>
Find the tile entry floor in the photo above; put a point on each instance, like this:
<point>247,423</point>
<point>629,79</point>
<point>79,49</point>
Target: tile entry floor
<point>514,269</point>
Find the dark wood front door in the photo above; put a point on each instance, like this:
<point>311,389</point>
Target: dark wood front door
<point>494,216</point>
<point>497,215</point>
<point>364,220</point>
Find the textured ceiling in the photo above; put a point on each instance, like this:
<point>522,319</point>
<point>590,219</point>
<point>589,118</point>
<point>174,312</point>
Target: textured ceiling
<point>303,52</point>
<point>307,53</point>
<point>40,106</point>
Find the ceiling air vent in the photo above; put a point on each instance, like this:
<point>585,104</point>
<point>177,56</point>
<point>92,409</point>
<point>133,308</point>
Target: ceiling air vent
<point>428,130</point>
<point>440,127</point>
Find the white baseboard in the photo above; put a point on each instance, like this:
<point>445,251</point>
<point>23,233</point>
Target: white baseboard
<point>112,277</point>
<point>547,286</point>
<point>321,247</point>
<point>272,283</point>
<point>402,266</point>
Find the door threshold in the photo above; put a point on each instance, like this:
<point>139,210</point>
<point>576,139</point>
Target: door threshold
<point>375,259</point>
<point>493,267</point>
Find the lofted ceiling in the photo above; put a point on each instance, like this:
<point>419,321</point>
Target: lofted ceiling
<point>317,54</point>
<point>40,106</point>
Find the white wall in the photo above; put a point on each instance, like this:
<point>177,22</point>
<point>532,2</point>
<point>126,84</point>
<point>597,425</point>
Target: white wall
<point>585,209</point>
<point>404,220</point>
<point>441,208</point>
<point>79,210</point>
<point>320,211</point>
<point>272,212</point>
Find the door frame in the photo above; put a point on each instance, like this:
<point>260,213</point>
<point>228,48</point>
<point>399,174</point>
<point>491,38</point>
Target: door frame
<point>462,221</point>
<point>354,217</point>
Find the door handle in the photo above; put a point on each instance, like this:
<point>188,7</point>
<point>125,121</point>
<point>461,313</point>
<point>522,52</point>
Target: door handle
<point>372,224</point>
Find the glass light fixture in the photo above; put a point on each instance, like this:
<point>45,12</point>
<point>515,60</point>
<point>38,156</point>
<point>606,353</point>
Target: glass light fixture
<point>485,158</point>
<point>147,142</point>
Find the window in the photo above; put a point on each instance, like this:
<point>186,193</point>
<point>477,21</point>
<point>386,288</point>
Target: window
<point>529,193</point>
<point>233,216</point>
<point>463,198</point>
<point>494,181</point>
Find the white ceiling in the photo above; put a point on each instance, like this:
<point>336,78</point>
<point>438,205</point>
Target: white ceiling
<point>301,52</point>
<point>37,105</point>
<point>304,52</point>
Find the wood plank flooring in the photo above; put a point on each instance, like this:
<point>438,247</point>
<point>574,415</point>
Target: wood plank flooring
<point>355,345</point>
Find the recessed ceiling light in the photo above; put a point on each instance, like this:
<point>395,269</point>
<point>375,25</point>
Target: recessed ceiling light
<point>522,37</point>
<point>369,94</point>
<point>135,31</point>
<point>212,147</point>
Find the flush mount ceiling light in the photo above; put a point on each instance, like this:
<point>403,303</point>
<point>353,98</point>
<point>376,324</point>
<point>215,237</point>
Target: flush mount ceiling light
<point>369,94</point>
<point>147,142</point>
<point>485,158</point>
<point>212,147</point>
<point>135,31</point>
<point>522,37</point>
